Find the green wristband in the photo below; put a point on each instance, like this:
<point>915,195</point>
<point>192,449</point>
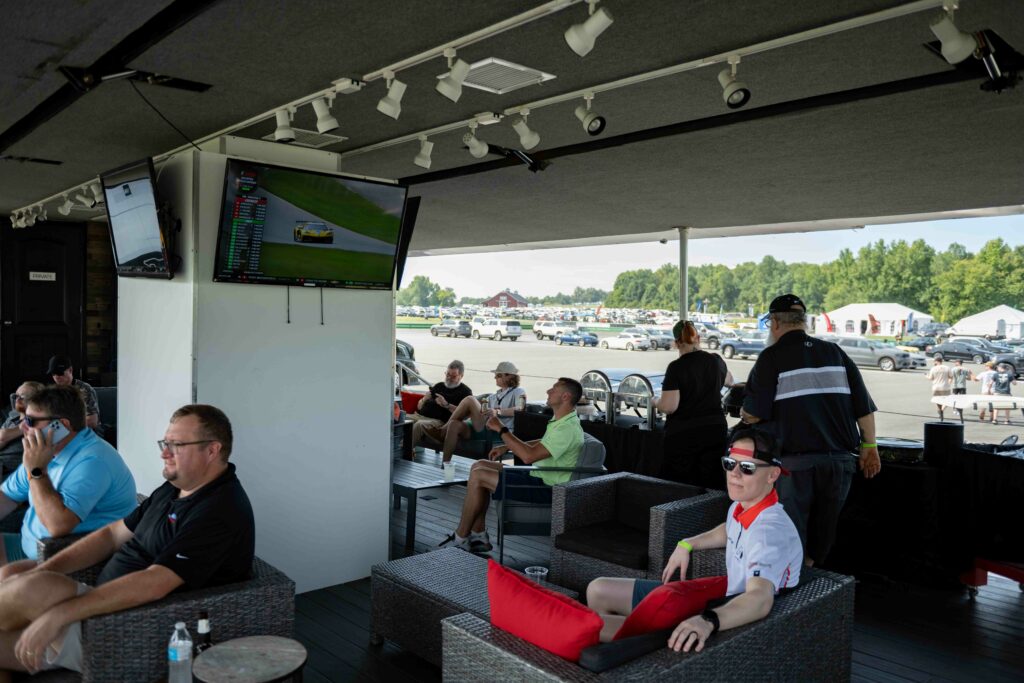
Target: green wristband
<point>869,445</point>
<point>685,544</point>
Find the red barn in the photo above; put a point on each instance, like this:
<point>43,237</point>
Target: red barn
<point>506,299</point>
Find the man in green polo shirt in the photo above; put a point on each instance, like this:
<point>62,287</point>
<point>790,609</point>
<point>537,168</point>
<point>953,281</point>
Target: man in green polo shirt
<point>559,448</point>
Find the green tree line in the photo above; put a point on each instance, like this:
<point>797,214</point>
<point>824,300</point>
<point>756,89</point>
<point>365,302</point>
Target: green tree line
<point>947,284</point>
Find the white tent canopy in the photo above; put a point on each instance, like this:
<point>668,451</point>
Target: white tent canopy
<point>860,319</point>
<point>1000,321</point>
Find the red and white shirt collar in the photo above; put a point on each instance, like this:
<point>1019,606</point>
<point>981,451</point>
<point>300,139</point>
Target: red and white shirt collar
<point>747,517</point>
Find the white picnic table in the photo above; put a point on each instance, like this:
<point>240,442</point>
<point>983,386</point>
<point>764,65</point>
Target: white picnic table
<point>990,402</point>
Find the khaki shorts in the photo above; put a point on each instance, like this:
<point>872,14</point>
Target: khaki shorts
<point>941,392</point>
<point>66,651</point>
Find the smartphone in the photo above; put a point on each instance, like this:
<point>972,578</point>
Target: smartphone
<point>57,431</point>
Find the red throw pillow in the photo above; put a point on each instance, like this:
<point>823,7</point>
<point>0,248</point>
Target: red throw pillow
<point>410,401</point>
<point>540,616</point>
<point>667,605</point>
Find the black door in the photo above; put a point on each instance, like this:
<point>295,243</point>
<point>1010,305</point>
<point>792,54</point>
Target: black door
<point>42,283</point>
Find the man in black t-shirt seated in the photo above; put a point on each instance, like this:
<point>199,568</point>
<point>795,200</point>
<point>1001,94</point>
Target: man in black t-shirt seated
<point>196,530</point>
<point>436,408</point>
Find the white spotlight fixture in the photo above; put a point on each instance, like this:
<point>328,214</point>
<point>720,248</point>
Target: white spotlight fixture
<point>16,219</point>
<point>284,132</point>
<point>391,104</point>
<point>65,208</point>
<point>97,193</point>
<point>592,122</point>
<point>423,158</point>
<point>735,93</point>
<point>527,138</point>
<point>476,148</point>
<point>325,123</point>
<point>581,37</point>
<point>83,199</point>
<point>956,45</point>
<point>451,85</point>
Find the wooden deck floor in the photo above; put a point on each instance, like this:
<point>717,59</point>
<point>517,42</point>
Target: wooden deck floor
<point>901,633</point>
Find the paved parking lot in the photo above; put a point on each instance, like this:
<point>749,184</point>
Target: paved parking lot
<point>902,397</point>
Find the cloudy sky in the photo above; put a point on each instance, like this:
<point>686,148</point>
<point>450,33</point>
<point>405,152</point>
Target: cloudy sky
<point>548,271</point>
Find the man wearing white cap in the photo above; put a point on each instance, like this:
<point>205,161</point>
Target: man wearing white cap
<point>501,404</point>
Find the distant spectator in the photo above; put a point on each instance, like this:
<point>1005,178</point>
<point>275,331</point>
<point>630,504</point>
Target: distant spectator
<point>10,432</point>
<point>960,377</point>
<point>63,373</point>
<point>436,408</point>
<point>941,377</point>
<point>696,433</point>
<point>986,378</point>
<point>1001,387</point>
<point>501,404</point>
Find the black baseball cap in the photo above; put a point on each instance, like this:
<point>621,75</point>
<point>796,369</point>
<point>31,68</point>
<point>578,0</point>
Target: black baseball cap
<point>786,303</point>
<point>767,447</point>
<point>58,364</point>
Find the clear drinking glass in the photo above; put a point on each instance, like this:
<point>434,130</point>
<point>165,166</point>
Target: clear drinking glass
<point>537,574</point>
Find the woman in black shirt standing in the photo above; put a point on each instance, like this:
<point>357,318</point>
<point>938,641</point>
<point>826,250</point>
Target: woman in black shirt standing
<point>696,434</point>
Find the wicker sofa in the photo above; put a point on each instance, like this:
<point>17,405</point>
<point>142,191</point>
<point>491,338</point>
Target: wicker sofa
<point>604,509</point>
<point>808,636</point>
<point>132,645</point>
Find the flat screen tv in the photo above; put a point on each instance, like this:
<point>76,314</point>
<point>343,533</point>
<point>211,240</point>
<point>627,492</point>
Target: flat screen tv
<point>138,230</point>
<point>284,226</point>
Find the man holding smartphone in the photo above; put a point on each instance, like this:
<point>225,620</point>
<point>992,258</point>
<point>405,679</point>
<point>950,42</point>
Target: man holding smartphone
<point>73,480</point>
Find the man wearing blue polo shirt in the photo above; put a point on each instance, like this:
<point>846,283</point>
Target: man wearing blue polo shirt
<point>560,447</point>
<point>73,484</point>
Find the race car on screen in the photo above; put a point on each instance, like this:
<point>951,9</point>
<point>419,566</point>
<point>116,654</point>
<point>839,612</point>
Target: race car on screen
<point>306,231</point>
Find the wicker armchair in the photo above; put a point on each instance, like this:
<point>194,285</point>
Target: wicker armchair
<point>808,636</point>
<point>638,518</point>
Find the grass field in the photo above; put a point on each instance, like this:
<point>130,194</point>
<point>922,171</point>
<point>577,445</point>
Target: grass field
<point>332,201</point>
<point>293,260</point>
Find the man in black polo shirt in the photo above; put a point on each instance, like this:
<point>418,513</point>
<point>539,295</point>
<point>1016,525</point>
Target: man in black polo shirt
<point>194,531</point>
<point>812,396</point>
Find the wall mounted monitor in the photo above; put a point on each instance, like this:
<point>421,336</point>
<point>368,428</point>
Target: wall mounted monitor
<point>284,226</point>
<point>138,229</point>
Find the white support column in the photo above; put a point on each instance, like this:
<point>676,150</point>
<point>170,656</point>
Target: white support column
<point>684,294</point>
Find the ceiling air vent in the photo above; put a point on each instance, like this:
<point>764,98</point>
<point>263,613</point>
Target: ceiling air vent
<point>311,138</point>
<point>499,77</point>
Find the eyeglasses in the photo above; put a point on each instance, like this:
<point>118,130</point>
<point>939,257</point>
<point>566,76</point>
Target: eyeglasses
<point>747,467</point>
<point>19,397</point>
<point>174,446</point>
<point>31,421</point>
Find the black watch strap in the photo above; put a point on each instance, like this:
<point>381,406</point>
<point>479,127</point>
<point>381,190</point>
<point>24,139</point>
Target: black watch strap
<point>503,431</point>
<point>711,616</point>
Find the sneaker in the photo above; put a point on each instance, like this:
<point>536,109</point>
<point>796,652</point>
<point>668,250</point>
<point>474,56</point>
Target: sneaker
<point>480,545</point>
<point>464,544</point>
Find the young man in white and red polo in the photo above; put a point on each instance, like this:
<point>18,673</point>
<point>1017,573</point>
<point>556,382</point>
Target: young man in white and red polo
<point>763,556</point>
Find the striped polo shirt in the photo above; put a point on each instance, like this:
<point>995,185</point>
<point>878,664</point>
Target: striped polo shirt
<point>809,393</point>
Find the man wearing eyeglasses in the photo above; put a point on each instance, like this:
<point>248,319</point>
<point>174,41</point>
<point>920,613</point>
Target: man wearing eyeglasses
<point>195,531</point>
<point>763,557</point>
<point>812,397</point>
<point>10,431</point>
<point>73,480</point>
<point>62,372</point>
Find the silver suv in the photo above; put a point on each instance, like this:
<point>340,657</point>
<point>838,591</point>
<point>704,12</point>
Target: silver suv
<point>874,354</point>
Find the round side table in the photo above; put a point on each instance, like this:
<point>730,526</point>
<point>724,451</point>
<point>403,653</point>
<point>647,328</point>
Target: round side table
<point>256,659</point>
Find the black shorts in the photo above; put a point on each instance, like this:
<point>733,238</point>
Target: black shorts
<point>959,392</point>
<point>813,496</point>
<point>538,491</point>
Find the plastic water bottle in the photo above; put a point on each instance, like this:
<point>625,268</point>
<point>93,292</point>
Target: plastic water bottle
<point>179,655</point>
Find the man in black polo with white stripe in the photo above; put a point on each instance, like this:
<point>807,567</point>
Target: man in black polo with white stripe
<point>812,396</point>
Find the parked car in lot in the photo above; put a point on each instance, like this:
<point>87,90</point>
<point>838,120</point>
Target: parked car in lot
<point>405,361</point>
<point>660,339</point>
<point>960,351</point>
<point>918,361</point>
<point>449,327</point>
<point>630,341</point>
<point>497,329</point>
<point>744,345</point>
<point>917,344</point>
<point>710,336</point>
<point>553,328</point>
<point>577,338</point>
<point>874,354</point>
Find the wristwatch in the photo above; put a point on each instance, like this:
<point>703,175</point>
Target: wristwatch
<point>503,431</point>
<point>711,616</point>
<point>37,473</point>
